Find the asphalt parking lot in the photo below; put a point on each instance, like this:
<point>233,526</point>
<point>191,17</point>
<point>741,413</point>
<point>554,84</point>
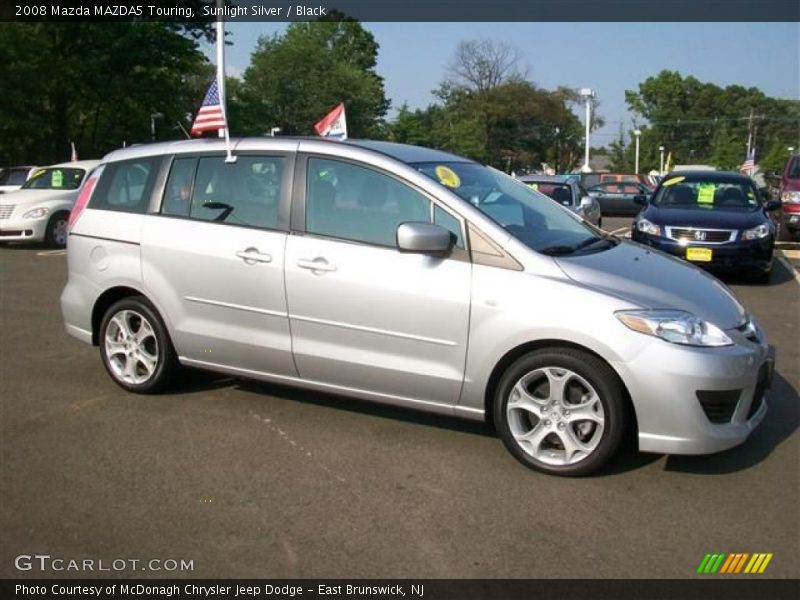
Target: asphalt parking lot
<point>252,480</point>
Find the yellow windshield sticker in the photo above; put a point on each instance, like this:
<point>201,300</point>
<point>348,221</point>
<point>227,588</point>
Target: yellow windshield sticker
<point>705,193</point>
<point>534,186</point>
<point>448,177</point>
<point>58,179</point>
<point>673,181</point>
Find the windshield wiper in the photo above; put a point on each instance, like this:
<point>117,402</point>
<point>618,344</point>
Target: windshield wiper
<point>563,249</point>
<point>557,250</point>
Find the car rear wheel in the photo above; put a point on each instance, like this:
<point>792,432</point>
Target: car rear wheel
<point>135,347</point>
<point>56,232</point>
<point>560,411</point>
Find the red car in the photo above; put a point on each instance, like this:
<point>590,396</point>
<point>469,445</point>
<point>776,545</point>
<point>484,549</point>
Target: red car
<point>789,216</point>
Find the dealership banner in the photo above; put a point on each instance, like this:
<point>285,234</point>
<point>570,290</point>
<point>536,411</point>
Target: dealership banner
<point>384,589</point>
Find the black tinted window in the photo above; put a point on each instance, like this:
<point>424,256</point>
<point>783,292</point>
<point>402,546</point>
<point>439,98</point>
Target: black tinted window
<point>178,191</point>
<point>246,192</point>
<point>125,186</point>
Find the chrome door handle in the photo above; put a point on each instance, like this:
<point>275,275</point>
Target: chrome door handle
<point>318,265</point>
<point>252,256</point>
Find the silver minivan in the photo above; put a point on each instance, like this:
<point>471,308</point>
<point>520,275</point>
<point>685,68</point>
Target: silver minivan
<point>412,277</point>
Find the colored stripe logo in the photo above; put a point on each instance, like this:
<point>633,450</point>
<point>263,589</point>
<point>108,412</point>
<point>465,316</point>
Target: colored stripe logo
<point>734,563</point>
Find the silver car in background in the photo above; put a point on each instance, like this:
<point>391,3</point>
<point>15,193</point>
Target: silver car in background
<point>411,277</point>
<point>39,210</point>
<point>567,191</point>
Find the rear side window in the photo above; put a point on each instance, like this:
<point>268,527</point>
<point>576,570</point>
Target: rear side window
<point>246,192</point>
<point>125,186</point>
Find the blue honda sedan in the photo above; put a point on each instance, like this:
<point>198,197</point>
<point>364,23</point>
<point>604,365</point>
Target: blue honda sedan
<point>715,219</point>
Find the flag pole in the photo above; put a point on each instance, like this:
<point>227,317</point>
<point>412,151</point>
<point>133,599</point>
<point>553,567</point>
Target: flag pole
<point>221,78</point>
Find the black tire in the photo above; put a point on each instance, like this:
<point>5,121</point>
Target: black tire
<point>608,388</point>
<point>166,366</point>
<point>55,235</point>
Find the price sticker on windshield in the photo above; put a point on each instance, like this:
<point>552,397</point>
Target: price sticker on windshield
<point>448,177</point>
<point>57,179</point>
<point>705,193</point>
<point>534,186</point>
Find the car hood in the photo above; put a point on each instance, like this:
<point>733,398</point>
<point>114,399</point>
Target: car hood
<point>699,218</point>
<point>651,279</point>
<point>32,196</point>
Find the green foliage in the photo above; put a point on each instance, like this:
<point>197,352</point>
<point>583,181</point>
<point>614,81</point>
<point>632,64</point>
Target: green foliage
<point>296,78</point>
<point>495,116</point>
<point>95,84</point>
<point>704,123</point>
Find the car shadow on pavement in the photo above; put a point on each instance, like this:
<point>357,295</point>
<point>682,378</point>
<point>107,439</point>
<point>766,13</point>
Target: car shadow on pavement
<point>780,274</point>
<point>782,420</point>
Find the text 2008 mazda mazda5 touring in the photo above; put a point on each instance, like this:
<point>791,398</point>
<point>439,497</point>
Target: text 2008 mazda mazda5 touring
<point>413,277</point>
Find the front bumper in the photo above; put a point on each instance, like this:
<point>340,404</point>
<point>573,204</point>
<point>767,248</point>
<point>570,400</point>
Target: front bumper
<point>664,381</point>
<point>739,255</point>
<point>18,229</point>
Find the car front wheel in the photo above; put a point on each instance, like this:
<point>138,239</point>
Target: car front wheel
<point>560,411</point>
<point>56,232</point>
<point>135,346</point>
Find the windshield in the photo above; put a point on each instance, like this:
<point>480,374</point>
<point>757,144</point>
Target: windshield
<point>13,176</point>
<point>532,218</point>
<point>57,178</point>
<point>706,195</point>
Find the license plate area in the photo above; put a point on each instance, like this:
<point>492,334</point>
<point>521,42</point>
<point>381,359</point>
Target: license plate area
<point>699,254</point>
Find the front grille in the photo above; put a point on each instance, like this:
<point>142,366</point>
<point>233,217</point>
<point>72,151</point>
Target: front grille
<point>701,236</point>
<point>719,406</point>
<point>6,210</point>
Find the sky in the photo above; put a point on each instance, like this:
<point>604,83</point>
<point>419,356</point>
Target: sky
<point>607,57</point>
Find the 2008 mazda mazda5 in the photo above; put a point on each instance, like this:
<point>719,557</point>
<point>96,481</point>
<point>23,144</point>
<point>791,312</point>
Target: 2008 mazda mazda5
<point>412,277</point>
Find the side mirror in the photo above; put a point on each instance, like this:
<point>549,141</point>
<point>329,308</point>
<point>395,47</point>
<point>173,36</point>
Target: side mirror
<point>423,238</point>
<point>772,205</point>
<point>586,202</point>
<point>640,199</point>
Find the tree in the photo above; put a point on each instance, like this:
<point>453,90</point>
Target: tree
<point>96,84</point>
<point>296,78</point>
<point>481,65</point>
<point>703,123</point>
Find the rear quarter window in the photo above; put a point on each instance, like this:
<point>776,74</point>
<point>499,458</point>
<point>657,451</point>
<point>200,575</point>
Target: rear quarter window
<point>126,186</point>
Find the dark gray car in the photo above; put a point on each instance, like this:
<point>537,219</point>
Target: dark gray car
<point>619,197</point>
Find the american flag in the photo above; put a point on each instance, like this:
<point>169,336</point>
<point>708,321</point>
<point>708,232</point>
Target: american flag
<point>210,116</point>
<point>749,163</point>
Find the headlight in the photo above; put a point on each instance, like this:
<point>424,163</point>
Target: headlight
<point>756,233</point>
<point>646,226</point>
<point>675,326</point>
<point>36,213</point>
<point>790,197</point>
